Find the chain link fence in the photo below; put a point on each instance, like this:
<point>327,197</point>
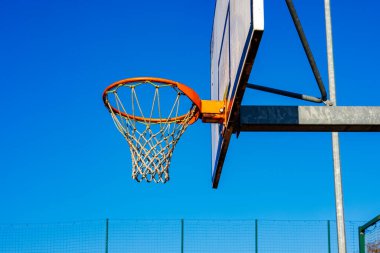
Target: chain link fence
<point>114,236</point>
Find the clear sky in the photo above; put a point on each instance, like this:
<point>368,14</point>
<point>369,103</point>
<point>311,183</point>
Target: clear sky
<point>62,158</point>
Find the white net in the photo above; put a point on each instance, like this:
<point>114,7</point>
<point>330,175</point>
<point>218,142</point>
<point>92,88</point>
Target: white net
<point>151,127</point>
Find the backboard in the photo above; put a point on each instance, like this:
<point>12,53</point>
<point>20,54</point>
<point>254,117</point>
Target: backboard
<point>237,30</point>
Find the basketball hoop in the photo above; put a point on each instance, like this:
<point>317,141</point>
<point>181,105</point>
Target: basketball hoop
<point>152,129</point>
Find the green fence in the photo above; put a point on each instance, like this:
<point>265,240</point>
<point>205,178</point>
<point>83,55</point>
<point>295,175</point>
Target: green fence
<point>113,236</point>
<point>369,236</point>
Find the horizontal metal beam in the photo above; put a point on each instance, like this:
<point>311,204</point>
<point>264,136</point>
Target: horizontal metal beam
<point>309,119</point>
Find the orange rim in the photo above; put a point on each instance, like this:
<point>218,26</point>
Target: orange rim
<point>190,93</point>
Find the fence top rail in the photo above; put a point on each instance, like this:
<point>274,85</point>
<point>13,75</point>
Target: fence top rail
<point>369,223</point>
<point>78,222</point>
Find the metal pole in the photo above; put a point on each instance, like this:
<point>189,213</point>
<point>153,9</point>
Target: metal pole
<point>307,49</point>
<point>107,223</point>
<point>182,235</point>
<point>285,93</point>
<point>361,241</point>
<point>341,231</point>
<point>256,236</point>
<point>328,237</point>
<point>335,137</point>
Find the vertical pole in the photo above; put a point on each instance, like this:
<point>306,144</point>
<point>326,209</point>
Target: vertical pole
<point>182,235</point>
<point>335,137</point>
<point>107,221</point>
<point>361,241</point>
<point>328,237</point>
<point>338,195</point>
<point>256,236</point>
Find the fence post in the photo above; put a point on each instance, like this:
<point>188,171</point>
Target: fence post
<point>361,241</point>
<point>182,235</point>
<point>107,221</point>
<point>256,236</point>
<point>328,237</point>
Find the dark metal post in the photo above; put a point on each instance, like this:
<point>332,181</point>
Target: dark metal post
<point>328,237</point>
<point>306,47</point>
<point>107,223</point>
<point>361,241</point>
<point>182,235</point>
<point>256,236</point>
<point>285,93</point>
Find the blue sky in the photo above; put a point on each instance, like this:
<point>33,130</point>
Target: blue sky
<point>63,160</point>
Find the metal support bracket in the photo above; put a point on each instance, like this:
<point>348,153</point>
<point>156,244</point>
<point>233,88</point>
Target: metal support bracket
<point>213,111</point>
<point>313,65</point>
<point>309,119</point>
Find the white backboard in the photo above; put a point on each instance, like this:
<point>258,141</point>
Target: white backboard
<point>237,30</point>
